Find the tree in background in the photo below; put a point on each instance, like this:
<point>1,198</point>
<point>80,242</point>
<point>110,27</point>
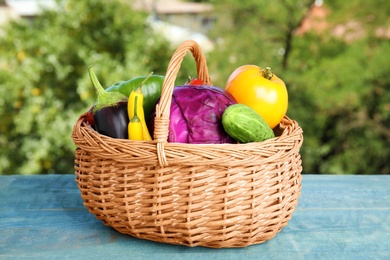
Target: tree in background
<point>44,83</point>
<point>255,32</point>
<point>337,74</point>
<point>344,80</point>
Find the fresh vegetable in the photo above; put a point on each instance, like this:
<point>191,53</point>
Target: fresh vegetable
<point>112,121</point>
<point>245,125</point>
<point>196,115</point>
<point>137,126</point>
<point>261,90</point>
<point>194,82</point>
<point>89,117</point>
<point>151,90</point>
<point>110,111</point>
<point>104,98</point>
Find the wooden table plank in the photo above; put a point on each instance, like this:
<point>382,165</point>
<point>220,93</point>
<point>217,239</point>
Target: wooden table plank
<point>338,217</point>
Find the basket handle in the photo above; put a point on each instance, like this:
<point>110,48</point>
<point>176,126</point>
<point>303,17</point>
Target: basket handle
<point>161,123</point>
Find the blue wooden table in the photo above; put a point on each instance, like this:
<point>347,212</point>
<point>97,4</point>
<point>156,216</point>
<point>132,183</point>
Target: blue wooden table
<point>338,217</point>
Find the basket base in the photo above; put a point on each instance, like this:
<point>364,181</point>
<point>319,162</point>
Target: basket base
<point>207,221</point>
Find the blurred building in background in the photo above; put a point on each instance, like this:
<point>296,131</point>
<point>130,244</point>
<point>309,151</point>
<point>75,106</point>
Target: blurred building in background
<point>179,21</point>
<point>196,17</point>
<point>174,19</point>
<point>28,9</point>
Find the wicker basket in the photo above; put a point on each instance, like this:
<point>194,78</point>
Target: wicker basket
<point>211,195</point>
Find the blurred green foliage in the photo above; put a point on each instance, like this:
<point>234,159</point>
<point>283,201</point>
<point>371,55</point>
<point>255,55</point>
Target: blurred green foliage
<point>44,83</point>
<point>338,87</point>
<point>338,82</point>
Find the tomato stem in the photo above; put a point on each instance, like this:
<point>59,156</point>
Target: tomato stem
<point>267,73</point>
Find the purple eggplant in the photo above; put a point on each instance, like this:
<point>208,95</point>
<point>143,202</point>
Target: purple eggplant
<point>110,111</point>
<point>112,121</point>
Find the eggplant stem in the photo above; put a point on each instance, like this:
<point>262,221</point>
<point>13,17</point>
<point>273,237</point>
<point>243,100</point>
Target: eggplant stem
<point>95,82</point>
<point>104,98</point>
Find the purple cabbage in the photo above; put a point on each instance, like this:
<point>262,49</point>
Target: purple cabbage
<point>196,115</point>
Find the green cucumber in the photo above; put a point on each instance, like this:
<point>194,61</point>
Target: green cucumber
<point>245,125</point>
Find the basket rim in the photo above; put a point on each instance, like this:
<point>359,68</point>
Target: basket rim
<point>104,147</point>
<point>292,129</point>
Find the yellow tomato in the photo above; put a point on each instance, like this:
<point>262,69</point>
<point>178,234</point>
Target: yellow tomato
<point>261,90</point>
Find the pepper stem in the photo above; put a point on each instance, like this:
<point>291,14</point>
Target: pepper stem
<point>144,81</point>
<point>135,117</point>
<point>267,73</point>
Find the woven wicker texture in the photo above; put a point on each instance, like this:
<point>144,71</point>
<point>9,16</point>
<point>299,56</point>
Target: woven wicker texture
<point>212,195</point>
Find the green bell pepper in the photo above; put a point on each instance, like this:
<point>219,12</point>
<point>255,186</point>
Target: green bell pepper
<point>151,90</point>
